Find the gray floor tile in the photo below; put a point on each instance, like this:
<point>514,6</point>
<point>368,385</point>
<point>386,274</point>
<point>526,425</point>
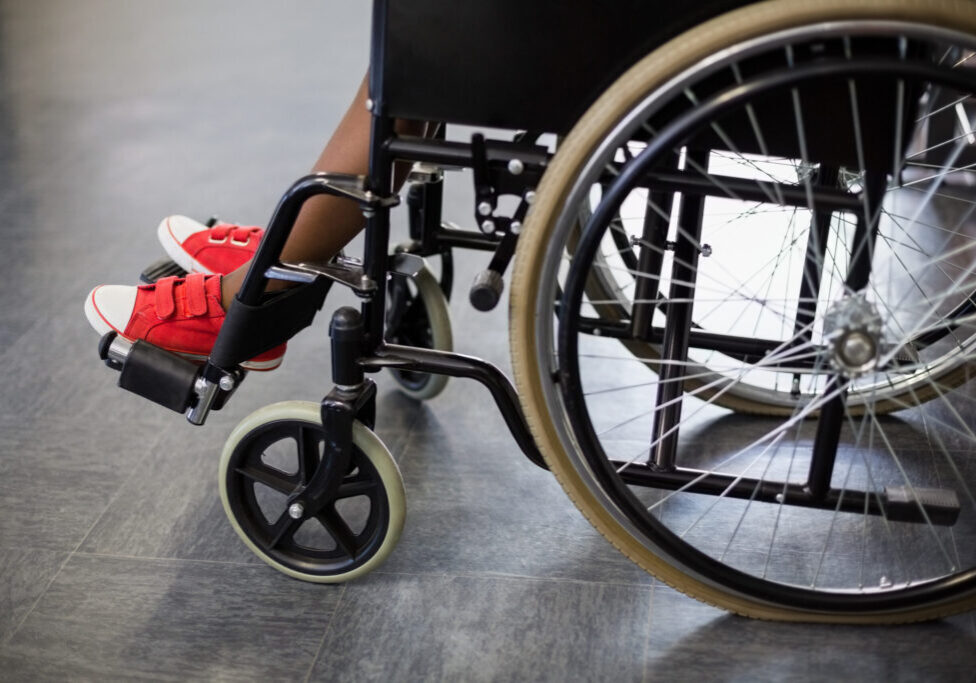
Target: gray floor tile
<point>53,370</point>
<point>476,504</point>
<point>689,641</point>
<point>113,116</point>
<point>57,477</point>
<point>110,619</point>
<point>24,575</point>
<point>408,628</point>
<point>172,509</point>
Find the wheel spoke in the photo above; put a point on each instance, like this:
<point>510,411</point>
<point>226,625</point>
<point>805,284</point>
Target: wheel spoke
<point>269,476</point>
<point>282,531</point>
<point>339,530</point>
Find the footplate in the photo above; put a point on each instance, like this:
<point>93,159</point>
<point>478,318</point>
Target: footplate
<point>938,506</point>
<point>157,270</point>
<point>164,377</point>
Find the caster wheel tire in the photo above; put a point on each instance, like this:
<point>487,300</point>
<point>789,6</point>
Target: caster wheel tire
<point>417,315</point>
<point>273,453</point>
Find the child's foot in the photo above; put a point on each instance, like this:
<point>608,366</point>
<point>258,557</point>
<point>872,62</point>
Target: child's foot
<point>199,249</point>
<point>182,315</point>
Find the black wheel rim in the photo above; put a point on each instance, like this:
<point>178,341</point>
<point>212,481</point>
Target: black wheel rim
<point>276,460</point>
<point>606,471</point>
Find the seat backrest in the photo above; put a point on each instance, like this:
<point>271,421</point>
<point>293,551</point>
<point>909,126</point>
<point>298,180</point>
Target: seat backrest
<point>527,64</point>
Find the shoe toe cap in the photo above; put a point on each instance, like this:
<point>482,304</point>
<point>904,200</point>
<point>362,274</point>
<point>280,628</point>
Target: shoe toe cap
<point>179,228</point>
<point>109,307</point>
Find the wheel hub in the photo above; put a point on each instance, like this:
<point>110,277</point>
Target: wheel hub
<point>852,327</point>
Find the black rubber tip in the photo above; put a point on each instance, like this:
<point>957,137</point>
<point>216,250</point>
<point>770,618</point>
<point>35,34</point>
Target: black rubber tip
<point>347,324</point>
<point>487,289</point>
<point>104,343</point>
<point>346,330</point>
<point>484,298</point>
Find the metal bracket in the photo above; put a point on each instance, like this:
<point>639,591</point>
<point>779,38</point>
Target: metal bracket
<point>354,187</point>
<point>407,264</point>
<point>425,173</point>
<point>343,269</point>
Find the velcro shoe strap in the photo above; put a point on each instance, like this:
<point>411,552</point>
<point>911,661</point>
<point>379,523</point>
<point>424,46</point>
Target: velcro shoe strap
<point>196,294</point>
<point>164,302</point>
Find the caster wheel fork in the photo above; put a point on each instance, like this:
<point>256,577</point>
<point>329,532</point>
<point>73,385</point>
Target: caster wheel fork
<point>267,463</point>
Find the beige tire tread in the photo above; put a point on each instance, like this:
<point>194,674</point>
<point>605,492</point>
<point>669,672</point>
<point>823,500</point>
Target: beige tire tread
<point>654,70</point>
<point>438,315</point>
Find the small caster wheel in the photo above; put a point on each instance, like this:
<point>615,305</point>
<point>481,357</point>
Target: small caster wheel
<point>417,315</point>
<point>273,453</point>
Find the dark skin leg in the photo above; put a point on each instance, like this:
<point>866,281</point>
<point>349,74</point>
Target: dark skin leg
<point>326,224</point>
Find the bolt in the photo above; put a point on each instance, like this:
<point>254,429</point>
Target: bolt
<point>484,208</point>
<point>370,104</point>
<point>516,227</point>
<point>296,510</point>
<point>856,349</point>
<point>515,166</point>
<point>530,197</point>
<point>706,250</point>
<point>488,227</point>
<point>226,382</point>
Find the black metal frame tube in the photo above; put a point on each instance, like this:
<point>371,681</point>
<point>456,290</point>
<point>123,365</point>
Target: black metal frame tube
<point>380,181</point>
<point>411,359</point>
<point>278,230</point>
<point>460,154</point>
<point>688,480</point>
<point>831,199</point>
<point>674,351</point>
<point>654,237</point>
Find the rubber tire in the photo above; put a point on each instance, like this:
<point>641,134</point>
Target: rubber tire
<point>439,317</point>
<point>648,74</point>
<point>365,440</point>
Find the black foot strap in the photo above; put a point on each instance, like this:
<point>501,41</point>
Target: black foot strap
<point>249,331</point>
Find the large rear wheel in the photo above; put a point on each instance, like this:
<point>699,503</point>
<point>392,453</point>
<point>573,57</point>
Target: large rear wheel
<point>781,211</point>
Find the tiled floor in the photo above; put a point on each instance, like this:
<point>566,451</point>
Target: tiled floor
<point>116,560</point>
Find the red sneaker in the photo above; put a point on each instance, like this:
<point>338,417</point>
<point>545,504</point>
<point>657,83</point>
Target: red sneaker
<point>199,249</point>
<point>182,315</point>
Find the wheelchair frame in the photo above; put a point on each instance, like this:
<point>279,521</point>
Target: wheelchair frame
<point>255,323</point>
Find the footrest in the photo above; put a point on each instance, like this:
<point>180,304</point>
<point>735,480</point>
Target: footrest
<point>151,372</point>
<point>904,504</point>
<point>159,269</point>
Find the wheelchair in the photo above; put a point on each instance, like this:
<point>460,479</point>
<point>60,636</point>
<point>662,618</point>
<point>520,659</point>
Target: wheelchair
<point>743,311</point>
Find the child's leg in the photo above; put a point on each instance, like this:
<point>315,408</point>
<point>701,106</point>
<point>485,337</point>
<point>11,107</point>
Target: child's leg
<point>185,315</point>
<point>326,223</point>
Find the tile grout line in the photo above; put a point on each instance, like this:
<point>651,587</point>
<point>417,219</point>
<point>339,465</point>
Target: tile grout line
<point>72,553</point>
<point>325,635</point>
<point>153,558</point>
<point>647,639</point>
<point>30,611</point>
<point>516,577</point>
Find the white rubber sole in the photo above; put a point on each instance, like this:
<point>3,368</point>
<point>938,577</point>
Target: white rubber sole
<point>174,249</point>
<point>102,326</point>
